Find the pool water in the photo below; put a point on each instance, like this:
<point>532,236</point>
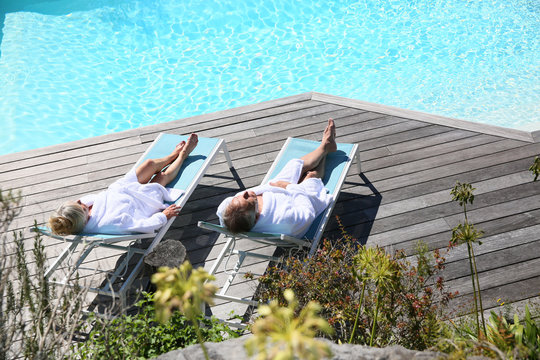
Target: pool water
<point>71,69</point>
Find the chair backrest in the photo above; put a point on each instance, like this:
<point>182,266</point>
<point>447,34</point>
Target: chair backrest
<point>193,167</point>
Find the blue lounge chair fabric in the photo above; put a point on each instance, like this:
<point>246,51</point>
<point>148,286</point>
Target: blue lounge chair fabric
<point>190,174</point>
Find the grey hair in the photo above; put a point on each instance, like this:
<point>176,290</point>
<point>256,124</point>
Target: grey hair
<point>237,220</point>
<point>70,218</point>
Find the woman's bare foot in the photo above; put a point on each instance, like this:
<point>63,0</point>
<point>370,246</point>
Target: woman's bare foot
<point>192,142</point>
<point>329,137</point>
<point>179,148</point>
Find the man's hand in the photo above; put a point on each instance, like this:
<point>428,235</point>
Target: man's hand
<point>280,183</point>
<point>172,211</point>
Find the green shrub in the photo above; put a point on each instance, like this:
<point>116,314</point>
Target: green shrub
<point>141,336</point>
<point>467,234</point>
<point>278,334</point>
<point>535,168</point>
<point>37,318</point>
<point>510,338</point>
<point>405,307</point>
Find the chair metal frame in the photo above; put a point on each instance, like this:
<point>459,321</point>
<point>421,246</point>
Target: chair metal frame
<point>93,241</point>
<point>277,240</point>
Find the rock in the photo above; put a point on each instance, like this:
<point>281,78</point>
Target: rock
<point>234,350</point>
<point>170,253</point>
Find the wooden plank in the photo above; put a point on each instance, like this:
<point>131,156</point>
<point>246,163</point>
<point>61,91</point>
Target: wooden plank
<point>392,193</point>
<point>437,135</point>
<point>497,211</point>
<point>404,137</point>
<point>488,201</point>
<point>491,227</point>
<point>509,239</point>
<point>377,170</point>
<point>499,277</point>
<point>52,159</point>
<point>508,293</point>
<point>397,236</point>
<point>516,254</point>
<point>427,206</point>
<point>453,170</point>
<point>428,152</point>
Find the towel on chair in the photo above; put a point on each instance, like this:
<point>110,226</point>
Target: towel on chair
<point>128,206</point>
<point>288,211</point>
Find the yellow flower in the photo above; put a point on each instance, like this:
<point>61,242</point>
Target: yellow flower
<point>375,264</point>
<point>182,288</point>
<point>277,334</point>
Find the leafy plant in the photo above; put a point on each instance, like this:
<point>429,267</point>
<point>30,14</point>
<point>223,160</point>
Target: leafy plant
<point>141,336</point>
<point>376,266</point>
<point>468,234</point>
<point>186,289</point>
<point>398,302</point>
<point>37,319</point>
<point>535,168</point>
<point>278,334</point>
<point>505,338</point>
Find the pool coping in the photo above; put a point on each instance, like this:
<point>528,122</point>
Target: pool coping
<point>529,136</point>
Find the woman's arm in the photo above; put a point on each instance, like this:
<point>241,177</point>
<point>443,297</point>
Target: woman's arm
<point>172,211</point>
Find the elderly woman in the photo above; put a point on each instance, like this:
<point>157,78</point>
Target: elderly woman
<point>134,203</point>
<point>290,202</point>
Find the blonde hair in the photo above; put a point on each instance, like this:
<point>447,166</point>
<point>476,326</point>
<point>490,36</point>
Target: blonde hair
<point>70,218</point>
<point>237,220</point>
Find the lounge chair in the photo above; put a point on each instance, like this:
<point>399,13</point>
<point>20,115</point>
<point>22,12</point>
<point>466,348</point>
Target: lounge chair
<point>189,176</point>
<point>337,167</point>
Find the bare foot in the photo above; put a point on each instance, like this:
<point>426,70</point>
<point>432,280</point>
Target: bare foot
<point>191,143</point>
<point>329,137</point>
<point>179,147</point>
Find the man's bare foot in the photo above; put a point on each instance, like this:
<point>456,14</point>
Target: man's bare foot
<point>191,143</point>
<point>329,137</point>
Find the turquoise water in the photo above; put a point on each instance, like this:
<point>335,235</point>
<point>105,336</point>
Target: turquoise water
<point>75,69</point>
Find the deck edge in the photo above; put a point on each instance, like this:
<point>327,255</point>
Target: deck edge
<point>529,136</point>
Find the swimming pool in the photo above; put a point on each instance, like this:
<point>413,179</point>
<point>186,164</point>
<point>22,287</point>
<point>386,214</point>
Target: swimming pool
<point>72,69</point>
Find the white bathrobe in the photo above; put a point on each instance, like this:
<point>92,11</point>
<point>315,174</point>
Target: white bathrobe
<point>128,206</point>
<point>288,211</point>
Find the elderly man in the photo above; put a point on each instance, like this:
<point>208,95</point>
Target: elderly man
<point>290,202</point>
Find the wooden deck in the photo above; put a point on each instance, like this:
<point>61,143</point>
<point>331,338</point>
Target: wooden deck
<point>410,161</point>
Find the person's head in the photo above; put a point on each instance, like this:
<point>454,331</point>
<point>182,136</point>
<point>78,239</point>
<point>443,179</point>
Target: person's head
<point>70,218</point>
<point>242,212</point>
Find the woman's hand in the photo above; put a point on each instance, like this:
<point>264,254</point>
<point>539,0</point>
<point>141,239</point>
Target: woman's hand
<point>172,211</point>
<point>280,183</point>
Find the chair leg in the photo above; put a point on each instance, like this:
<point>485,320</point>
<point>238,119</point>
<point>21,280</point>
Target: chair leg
<point>358,163</point>
<point>225,152</point>
<point>67,251</point>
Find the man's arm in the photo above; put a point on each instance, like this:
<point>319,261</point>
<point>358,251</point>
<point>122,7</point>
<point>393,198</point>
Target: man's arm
<point>280,183</point>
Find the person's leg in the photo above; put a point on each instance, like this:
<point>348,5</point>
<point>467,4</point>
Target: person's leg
<point>328,145</point>
<point>317,172</point>
<point>150,167</point>
<point>170,172</point>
